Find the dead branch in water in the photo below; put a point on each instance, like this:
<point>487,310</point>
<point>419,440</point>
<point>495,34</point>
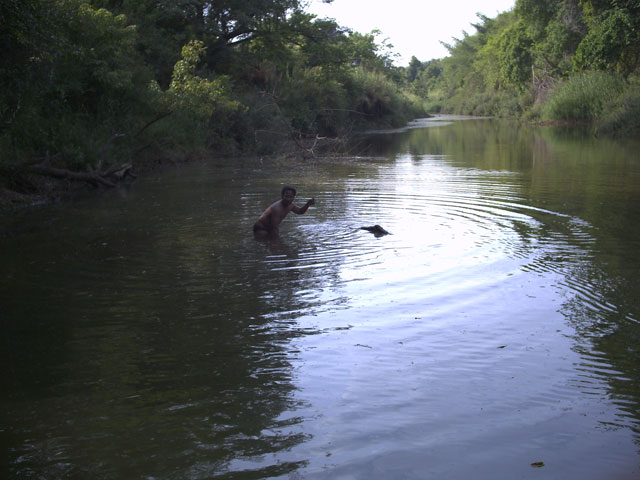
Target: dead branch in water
<point>96,178</point>
<point>305,144</point>
<point>92,178</point>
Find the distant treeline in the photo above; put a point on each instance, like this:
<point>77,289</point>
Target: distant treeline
<point>88,84</point>
<point>546,60</point>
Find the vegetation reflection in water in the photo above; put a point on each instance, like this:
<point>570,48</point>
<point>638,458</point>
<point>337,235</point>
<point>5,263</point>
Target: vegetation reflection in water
<point>150,336</point>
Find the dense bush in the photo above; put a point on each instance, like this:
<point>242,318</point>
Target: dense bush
<point>89,82</point>
<point>312,102</point>
<point>623,115</point>
<point>73,87</point>
<point>583,97</point>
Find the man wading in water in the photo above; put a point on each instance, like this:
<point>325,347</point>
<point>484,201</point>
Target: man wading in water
<point>269,221</point>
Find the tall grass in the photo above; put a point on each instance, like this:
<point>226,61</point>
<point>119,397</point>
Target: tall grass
<point>380,101</point>
<point>623,118</point>
<point>583,97</point>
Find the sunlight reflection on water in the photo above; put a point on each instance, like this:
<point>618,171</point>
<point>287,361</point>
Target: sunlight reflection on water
<point>151,336</point>
<point>456,321</point>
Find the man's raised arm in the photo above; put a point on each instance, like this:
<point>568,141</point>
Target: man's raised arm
<point>304,208</point>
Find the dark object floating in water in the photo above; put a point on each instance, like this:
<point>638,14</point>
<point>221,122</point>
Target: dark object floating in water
<point>377,230</point>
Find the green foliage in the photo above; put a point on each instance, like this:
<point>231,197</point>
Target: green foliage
<point>223,25</point>
<point>100,62</point>
<point>427,82</point>
<point>485,72</point>
<point>75,84</point>
<point>313,102</point>
<point>77,71</point>
<point>182,75</point>
<point>515,57</point>
<point>583,35</point>
<point>375,93</point>
<point>415,67</point>
<point>622,117</point>
<point>555,28</point>
<point>511,64</point>
<point>316,43</point>
<point>610,44</point>
<point>366,53</point>
<point>379,101</point>
<point>583,97</point>
<point>194,94</point>
<point>228,74</point>
<point>537,14</point>
<point>199,106</point>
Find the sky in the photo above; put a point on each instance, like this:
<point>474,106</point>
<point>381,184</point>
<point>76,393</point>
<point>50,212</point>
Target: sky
<point>413,27</point>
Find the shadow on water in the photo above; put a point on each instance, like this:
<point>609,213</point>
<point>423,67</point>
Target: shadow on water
<point>139,339</point>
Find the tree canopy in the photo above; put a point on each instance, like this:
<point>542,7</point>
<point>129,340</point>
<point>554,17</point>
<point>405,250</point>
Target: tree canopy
<point>230,75</point>
<point>91,83</point>
<point>512,64</point>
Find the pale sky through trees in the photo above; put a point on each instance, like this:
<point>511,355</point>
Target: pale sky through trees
<point>413,27</point>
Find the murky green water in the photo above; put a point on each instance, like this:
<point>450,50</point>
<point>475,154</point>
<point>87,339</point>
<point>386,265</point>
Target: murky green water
<point>147,334</point>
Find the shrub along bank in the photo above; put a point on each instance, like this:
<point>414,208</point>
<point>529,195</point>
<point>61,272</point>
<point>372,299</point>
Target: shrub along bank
<point>543,61</point>
<point>92,88</point>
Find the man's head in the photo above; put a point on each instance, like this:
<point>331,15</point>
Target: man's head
<point>288,188</point>
<point>288,194</point>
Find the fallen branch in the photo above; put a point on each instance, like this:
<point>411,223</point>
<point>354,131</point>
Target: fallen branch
<point>120,172</point>
<point>46,160</point>
<point>96,177</point>
<point>92,178</point>
<point>296,137</point>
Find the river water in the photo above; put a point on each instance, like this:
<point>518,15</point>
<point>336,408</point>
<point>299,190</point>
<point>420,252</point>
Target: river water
<point>494,334</point>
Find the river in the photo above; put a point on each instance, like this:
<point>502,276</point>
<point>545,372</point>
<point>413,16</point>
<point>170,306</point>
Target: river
<point>494,334</point>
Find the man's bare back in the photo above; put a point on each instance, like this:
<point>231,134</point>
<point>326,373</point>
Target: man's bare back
<point>269,221</point>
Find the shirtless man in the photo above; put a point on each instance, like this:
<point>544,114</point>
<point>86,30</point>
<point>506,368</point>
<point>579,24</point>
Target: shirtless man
<point>269,221</point>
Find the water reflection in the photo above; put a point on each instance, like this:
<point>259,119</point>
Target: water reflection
<point>581,196</point>
<point>152,336</point>
<point>142,337</point>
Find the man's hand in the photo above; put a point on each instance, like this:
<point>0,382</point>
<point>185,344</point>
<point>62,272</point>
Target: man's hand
<point>304,208</point>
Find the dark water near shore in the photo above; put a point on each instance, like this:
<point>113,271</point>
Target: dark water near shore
<point>147,334</point>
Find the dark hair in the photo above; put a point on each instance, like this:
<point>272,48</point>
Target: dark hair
<point>286,188</point>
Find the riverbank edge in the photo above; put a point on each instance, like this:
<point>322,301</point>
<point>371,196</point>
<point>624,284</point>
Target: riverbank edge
<point>22,189</point>
<point>32,189</point>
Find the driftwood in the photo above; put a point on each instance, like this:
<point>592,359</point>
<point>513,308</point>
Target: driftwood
<point>97,177</point>
<point>121,172</point>
<point>92,178</point>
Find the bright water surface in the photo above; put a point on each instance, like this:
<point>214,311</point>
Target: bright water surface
<point>148,335</point>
